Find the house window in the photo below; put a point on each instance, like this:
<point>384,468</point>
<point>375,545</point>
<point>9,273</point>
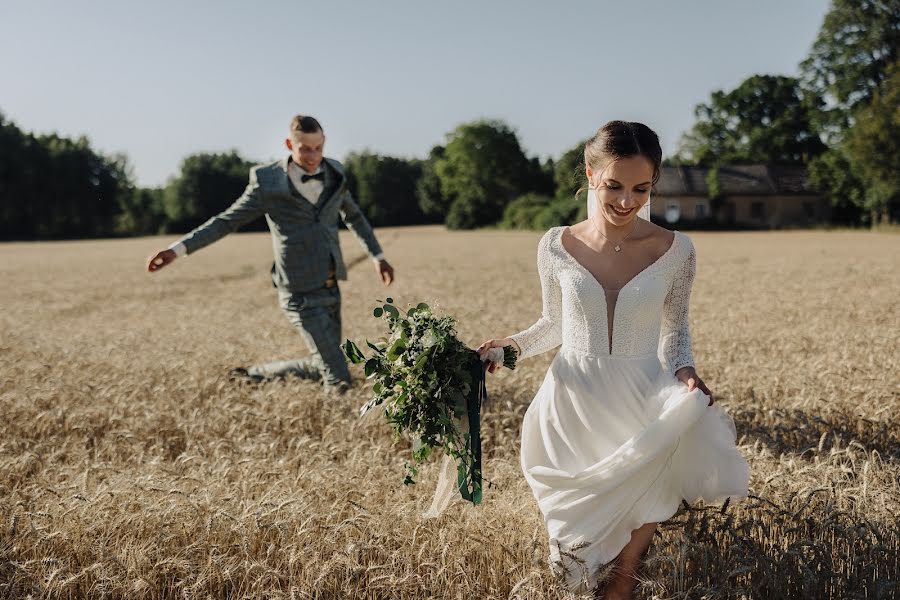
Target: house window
<point>700,210</point>
<point>757,211</point>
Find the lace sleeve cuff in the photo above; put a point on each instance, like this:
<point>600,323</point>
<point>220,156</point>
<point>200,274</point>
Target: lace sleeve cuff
<point>540,337</point>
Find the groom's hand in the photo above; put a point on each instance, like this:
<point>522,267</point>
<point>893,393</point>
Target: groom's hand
<point>161,259</point>
<point>385,271</point>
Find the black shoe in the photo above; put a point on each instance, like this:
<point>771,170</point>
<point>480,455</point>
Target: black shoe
<point>338,389</point>
<point>242,375</point>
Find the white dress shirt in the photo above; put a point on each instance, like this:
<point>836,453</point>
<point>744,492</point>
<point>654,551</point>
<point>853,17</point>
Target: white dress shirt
<point>311,189</point>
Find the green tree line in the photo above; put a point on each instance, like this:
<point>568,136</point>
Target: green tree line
<point>840,119</point>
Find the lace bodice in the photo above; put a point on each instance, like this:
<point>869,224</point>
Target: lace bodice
<point>650,316</point>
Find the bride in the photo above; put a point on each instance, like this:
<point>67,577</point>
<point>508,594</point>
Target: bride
<point>622,427</point>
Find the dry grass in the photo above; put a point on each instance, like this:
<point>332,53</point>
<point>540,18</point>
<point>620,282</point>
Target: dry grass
<point>131,468</point>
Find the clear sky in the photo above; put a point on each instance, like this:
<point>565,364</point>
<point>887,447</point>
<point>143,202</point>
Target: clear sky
<point>161,79</point>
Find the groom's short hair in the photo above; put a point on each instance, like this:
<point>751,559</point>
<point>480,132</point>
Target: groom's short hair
<point>305,124</point>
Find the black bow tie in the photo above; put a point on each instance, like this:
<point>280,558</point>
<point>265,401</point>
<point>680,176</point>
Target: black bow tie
<point>320,176</point>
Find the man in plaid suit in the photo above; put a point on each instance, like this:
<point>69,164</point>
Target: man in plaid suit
<point>302,197</point>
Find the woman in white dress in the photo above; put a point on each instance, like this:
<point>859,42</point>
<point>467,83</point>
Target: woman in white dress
<point>622,427</point>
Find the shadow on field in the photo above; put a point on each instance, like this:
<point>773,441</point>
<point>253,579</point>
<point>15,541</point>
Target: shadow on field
<point>16,582</point>
<point>797,431</point>
<point>821,553</point>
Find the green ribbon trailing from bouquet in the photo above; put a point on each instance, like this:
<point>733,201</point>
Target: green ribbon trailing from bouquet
<point>468,477</point>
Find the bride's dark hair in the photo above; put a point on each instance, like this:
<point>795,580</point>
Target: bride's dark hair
<point>620,139</point>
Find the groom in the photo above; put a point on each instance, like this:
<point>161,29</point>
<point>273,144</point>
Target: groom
<point>302,197</point>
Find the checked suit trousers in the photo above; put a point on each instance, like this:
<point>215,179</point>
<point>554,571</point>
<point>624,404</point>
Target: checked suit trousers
<point>317,317</point>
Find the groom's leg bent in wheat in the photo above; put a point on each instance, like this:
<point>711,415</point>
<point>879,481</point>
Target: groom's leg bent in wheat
<point>304,368</point>
<point>317,317</point>
<point>325,334</point>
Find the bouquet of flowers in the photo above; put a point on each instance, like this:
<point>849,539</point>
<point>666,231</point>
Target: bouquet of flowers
<point>431,386</point>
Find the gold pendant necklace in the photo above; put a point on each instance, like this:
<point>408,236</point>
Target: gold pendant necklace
<point>617,247</point>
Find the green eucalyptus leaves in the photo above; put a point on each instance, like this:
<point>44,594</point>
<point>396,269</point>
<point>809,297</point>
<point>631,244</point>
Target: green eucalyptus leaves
<point>431,386</point>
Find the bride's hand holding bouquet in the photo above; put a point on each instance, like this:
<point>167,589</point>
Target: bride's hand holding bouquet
<point>493,352</point>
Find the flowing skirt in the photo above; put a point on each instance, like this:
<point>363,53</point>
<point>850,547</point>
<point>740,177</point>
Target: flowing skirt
<point>609,444</point>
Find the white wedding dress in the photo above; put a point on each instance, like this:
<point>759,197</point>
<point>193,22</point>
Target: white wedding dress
<point>612,440</point>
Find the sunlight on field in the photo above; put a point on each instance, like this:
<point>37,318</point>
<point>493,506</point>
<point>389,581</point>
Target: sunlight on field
<point>130,467</point>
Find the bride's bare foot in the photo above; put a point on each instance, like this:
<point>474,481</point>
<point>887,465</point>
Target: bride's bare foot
<point>623,580</point>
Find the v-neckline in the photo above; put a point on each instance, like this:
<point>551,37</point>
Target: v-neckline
<point>611,328</point>
<point>627,283</point>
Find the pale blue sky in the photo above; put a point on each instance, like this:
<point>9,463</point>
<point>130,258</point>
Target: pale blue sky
<point>162,79</point>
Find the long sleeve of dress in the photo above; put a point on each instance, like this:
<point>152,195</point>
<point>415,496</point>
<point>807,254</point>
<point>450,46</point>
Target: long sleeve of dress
<point>675,335</point>
<point>546,332</point>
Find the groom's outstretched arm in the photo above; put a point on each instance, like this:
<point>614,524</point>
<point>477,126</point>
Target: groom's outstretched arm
<point>246,208</point>
<point>356,222</point>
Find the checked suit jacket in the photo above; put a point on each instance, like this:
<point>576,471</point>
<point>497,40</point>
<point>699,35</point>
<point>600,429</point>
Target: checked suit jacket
<point>304,235</point>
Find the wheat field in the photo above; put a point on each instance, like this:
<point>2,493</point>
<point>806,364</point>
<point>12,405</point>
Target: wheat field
<point>130,467</point>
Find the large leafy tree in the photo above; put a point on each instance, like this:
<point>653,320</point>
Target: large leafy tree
<point>568,173</point>
<point>385,188</point>
<point>873,147</point>
<point>206,185</point>
<point>543,176</point>
<point>850,57</point>
<point>848,68</point>
<point>480,170</point>
<point>432,202</point>
<point>832,174</point>
<point>765,119</point>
